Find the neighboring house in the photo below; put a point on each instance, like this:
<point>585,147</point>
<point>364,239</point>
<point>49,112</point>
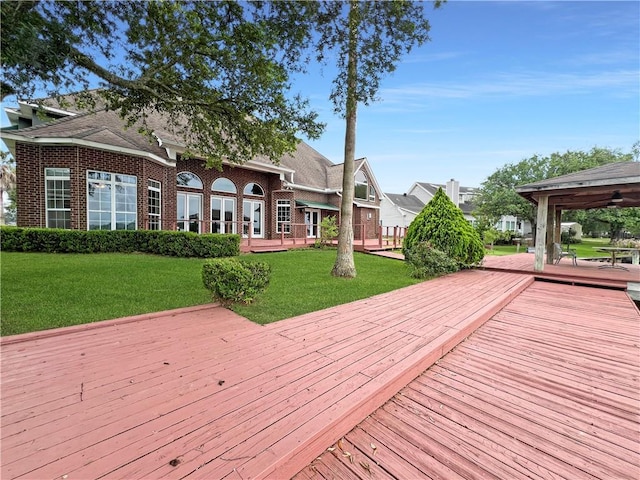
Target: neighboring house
<point>401,209</point>
<point>86,171</point>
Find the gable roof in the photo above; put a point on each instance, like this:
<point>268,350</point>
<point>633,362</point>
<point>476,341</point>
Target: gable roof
<point>410,203</point>
<point>432,188</point>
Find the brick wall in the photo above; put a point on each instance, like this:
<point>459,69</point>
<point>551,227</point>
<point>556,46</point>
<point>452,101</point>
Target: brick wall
<point>31,160</point>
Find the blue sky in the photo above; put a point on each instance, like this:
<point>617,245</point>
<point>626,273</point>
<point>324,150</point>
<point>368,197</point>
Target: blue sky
<point>497,83</point>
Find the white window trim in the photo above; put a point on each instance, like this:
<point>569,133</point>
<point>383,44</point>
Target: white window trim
<point>67,178</point>
<point>158,189</point>
<point>283,203</point>
<point>113,183</point>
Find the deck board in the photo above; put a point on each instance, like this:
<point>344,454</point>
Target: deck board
<point>545,389</point>
<point>221,396</point>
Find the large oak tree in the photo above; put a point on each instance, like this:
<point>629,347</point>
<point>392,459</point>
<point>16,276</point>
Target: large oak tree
<point>218,71</point>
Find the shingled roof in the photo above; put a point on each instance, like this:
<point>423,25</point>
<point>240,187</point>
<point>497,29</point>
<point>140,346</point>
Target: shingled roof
<point>591,188</point>
<point>305,165</point>
<point>406,202</point>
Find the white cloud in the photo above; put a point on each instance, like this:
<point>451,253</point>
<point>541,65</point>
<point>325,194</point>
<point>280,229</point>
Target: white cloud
<point>621,82</point>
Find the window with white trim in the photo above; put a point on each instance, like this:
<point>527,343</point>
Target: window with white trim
<point>188,179</point>
<point>361,190</point>
<point>253,189</point>
<point>57,183</point>
<point>283,216</point>
<point>223,185</point>
<point>154,195</point>
<point>111,201</point>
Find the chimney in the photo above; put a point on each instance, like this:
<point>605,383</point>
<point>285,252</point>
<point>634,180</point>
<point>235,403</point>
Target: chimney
<point>453,191</point>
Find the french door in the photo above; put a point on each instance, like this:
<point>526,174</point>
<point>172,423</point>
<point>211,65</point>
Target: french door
<point>223,215</point>
<point>253,217</point>
<point>189,212</point>
<point>312,221</point>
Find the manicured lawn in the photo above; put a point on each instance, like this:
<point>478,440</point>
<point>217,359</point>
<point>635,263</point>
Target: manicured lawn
<point>43,291</point>
<point>586,249</point>
<point>301,283</point>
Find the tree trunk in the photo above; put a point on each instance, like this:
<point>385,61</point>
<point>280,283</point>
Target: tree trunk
<point>345,266</point>
<point>1,206</point>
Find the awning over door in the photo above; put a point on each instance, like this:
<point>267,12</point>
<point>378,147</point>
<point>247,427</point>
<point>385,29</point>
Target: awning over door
<point>321,206</point>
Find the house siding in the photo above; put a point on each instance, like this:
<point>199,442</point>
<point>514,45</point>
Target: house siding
<point>33,159</point>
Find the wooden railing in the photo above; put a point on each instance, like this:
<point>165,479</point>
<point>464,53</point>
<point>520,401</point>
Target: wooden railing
<point>386,236</point>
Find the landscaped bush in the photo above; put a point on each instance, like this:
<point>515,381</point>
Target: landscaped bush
<point>231,280</point>
<point>427,262</point>
<point>175,244</point>
<point>443,225</point>
<point>505,238</point>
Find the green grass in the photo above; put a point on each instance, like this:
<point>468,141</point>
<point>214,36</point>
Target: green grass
<point>43,291</point>
<point>586,249</point>
<point>301,283</point>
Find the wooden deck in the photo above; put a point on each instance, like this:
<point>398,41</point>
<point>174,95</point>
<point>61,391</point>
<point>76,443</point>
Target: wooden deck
<point>548,388</point>
<point>203,393</point>
<point>585,273</point>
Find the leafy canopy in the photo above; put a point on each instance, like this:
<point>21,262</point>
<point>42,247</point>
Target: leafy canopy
<point>497,195</point>
<point>220,69</point>
<point>443,225</point>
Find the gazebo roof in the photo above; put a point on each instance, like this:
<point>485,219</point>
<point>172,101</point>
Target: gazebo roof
<point>592,188</point>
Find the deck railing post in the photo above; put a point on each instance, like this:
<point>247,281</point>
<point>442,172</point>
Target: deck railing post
<point>380,237</point>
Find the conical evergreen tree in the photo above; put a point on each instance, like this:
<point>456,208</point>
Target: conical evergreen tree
<point>443,225</point>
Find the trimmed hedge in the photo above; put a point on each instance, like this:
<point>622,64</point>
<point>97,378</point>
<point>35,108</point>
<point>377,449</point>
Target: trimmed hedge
<point>174,244</point>
<point>231,280</point>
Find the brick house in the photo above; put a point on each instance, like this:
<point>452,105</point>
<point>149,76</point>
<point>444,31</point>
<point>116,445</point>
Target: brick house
<point>86,171</point>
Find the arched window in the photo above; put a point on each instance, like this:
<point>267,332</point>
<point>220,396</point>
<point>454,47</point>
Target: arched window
<point>223,185</point>
<point>188,179</point>
<point>253,189</point>
<point>362,186</point>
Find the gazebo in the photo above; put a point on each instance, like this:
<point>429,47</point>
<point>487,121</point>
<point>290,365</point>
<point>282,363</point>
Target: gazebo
<point>615,185</point>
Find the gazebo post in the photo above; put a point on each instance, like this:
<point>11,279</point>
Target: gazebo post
<point>541,232</point>
<point>558,230</point>
<point>549,237</point>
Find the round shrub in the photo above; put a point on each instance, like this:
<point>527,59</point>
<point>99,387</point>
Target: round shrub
<point>428,262</point>
<point>231,280</point>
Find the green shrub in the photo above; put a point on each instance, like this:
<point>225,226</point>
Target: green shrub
<point>231,280</point>
<point>175,244</point>
<point>425,261</point>
<point>443,225</point>
<point>328,229</point>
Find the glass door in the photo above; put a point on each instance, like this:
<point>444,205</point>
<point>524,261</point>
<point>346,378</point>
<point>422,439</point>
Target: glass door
<point>312,221</point>
<point>223,215</point>
<point>189,212</point>
<point>252,214</point>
